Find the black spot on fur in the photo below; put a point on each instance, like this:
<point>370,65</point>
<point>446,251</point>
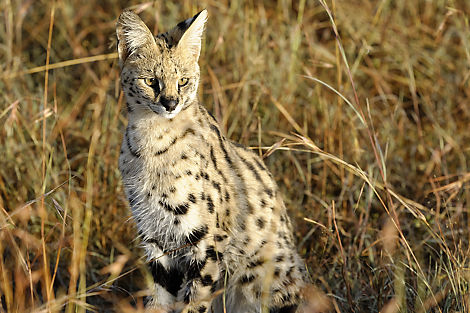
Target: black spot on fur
<point>217,220</point>
<point>160,152</point>
<point>197,234</point>
<point>260,165</point>
<point>210,205</point>
<point>256,263</point>
<point>212,116</point>
<point>207,280</point>
<point>286,299</point>
<point>247,240</point>
<point>202,309</point>
<point>204,175</point>
<point>129,145</point>
<point>246,279</point>
<point>194,269</point>
<point>260,223</point>
<point>252,169</point>
<point>179,209</point>
<point>214,160</point>
<point>169,279</point>
<point>216,186</point>
<point>221,142</point>
<point>188,131</point>
<point>132,200</point>
<point>289,272</point>
<point>191,198</point>
<point>212,254</point>
<point>214,287</point>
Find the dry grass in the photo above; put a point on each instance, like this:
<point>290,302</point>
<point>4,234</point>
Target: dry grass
<point>366,132</point>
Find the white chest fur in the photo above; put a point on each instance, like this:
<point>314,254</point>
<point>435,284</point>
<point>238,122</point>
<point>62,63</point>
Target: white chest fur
<point>158,165</point>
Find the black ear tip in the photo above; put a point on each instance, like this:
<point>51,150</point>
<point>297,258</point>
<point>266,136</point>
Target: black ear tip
<point>199,13</point>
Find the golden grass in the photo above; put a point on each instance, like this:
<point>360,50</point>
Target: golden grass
<point>361,109</point>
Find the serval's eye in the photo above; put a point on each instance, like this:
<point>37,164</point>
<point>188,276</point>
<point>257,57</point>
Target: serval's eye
<point>152,82</point>
<point>182,82</point>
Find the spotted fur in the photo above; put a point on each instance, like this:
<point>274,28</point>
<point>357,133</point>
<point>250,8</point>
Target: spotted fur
<point>208,211</point>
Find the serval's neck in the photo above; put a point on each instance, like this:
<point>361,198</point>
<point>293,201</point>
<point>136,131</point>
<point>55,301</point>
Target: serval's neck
<point>150,135</point>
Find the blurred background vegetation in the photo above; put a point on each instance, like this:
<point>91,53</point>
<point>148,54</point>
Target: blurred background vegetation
<point>361,109</point>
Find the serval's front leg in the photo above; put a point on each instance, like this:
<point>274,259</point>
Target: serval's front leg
<point>168,279</point>
<point>203,274</point>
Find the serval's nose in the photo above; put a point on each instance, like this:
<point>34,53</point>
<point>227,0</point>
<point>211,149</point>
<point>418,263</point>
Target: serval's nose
<point>169,103</point>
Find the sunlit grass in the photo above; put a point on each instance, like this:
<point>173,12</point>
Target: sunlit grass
<point>360,109</point>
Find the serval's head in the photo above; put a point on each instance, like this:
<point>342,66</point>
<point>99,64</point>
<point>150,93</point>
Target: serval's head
<point>159,73</point>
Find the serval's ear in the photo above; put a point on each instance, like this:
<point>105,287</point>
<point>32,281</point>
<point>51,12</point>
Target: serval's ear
<point>132,34</point>
<point>189,44</point>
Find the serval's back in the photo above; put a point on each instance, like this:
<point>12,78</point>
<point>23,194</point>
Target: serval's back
<point>208,211</point>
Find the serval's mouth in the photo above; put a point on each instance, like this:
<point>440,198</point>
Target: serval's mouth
<point>163,112</point>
